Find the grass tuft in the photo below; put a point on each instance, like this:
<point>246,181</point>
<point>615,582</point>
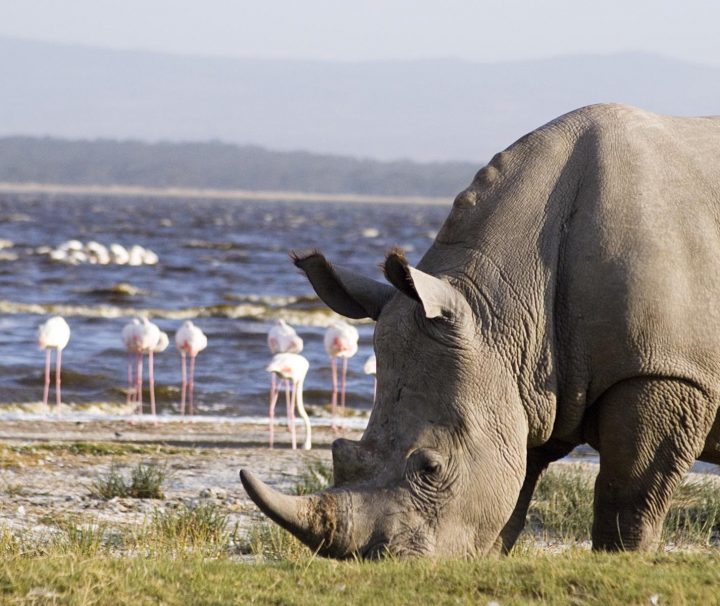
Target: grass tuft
<point>267,541</point>
<point>694,516</point>
<point>146,481</point>
<point>316,477</point>
<point>204,528</point>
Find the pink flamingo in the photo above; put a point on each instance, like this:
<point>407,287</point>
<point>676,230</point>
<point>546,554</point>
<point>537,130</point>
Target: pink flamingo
<point>141,337</point>
<point>53,334</point>
<point>282,338</point>
<point>131,339</point>
<point>160,346</point>
<point>190,341</point>
<point>341,341</point>
<point>292,368</point>
<point>370,368</point>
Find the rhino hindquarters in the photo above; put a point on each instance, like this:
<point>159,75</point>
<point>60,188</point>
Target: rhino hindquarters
<point>648,433</point>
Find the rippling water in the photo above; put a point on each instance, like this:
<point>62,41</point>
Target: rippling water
<point>223,264</point>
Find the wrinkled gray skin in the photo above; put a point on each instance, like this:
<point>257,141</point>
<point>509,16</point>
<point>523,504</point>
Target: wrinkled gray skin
<point>572,296</point>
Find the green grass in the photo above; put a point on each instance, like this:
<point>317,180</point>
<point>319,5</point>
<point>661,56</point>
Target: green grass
<point>571,578</point>
<point>145,483</point>
<point>96,448</point>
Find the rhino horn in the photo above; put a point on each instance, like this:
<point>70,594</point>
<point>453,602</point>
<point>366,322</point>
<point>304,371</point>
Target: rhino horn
<point>312,518</point>
<point>345,292</point>
<point>438,297</point>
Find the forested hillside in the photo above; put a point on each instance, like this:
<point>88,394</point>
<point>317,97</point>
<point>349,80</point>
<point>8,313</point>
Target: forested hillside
<point>219,165</point>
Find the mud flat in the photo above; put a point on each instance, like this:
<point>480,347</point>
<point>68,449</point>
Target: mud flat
<point>48,468</point>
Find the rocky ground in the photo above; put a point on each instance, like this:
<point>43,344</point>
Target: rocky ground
<point>48,468</point>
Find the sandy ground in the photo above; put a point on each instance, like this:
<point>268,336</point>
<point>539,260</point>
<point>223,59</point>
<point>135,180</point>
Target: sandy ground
<point>41,485</point>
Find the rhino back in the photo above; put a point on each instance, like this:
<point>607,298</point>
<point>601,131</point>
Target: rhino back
<point>590,249</point>
<point>639,273</point>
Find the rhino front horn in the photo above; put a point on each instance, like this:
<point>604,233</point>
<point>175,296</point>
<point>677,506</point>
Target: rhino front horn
<point>312,519</point>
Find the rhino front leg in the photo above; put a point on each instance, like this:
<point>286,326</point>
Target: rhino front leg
<point>538,459</point>
<point>648,433</point>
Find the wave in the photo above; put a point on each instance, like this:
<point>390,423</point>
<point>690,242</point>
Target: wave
<point>252,307</point>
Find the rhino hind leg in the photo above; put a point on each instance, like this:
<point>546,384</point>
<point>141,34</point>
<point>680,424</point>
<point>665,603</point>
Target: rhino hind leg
<point>648,433</point>
<point>538,460</point>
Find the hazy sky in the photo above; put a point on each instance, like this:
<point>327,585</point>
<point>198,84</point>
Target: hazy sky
<point>478,30</point>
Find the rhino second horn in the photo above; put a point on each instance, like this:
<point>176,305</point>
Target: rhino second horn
<point>310,518</point>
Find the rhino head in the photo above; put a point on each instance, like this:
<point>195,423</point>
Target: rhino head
<point>441,463</point>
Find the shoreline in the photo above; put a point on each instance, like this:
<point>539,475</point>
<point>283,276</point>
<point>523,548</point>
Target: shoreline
<point>130,191</point>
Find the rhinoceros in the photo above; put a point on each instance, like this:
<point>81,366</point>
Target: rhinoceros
<point>572,296</point>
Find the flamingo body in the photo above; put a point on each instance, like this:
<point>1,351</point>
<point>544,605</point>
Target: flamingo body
<point>293,368</point>
<point>140,337</point>
<point>341,341</point>
<point>53,334</point>
<point>282,338</point>
<point>190,341</point>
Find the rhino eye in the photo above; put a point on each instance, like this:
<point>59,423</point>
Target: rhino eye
<point>425,462</point>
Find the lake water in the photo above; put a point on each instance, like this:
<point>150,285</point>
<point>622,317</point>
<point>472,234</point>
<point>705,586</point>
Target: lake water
<point>223,264</point>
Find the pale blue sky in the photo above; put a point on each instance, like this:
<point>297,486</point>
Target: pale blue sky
<point>339,30</point>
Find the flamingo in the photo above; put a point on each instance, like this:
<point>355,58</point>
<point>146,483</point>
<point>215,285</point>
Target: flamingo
<point>160,346</point>
<point>282,338</point>
<point>341,341</point>
<point>53,334</point>
<point>140,336</point>
<point>131,337</point>
<point>190,341</point>
<point>370,368</point>
<point>292,368</point>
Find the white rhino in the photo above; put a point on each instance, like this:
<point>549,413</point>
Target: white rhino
<point>572,296</point>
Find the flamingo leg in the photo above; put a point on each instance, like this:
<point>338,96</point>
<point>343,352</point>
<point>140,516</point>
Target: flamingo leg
<point>151,380</point>
<point>46,390</point>
<point>131,388</point>
<point>183,385</point>
<point>139,382</point>
<point>191,384</point>
<point>273,400</point>
<point>333,404</point>
<point>343,383</point>
<point>290,405</point>
<point>301,410</point>
<point>58,380</point>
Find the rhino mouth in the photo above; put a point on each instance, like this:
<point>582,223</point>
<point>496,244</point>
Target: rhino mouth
<point>376,550</point>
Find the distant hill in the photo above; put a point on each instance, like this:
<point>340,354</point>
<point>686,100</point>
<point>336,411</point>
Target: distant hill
<point>421,110</point>
<point>220,166</point>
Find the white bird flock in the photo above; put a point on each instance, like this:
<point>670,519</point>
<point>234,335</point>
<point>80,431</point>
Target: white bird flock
<point>74,252</point>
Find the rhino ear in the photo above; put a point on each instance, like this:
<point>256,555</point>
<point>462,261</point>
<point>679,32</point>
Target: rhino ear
<point>349,294</point>
<point>437,297</point>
